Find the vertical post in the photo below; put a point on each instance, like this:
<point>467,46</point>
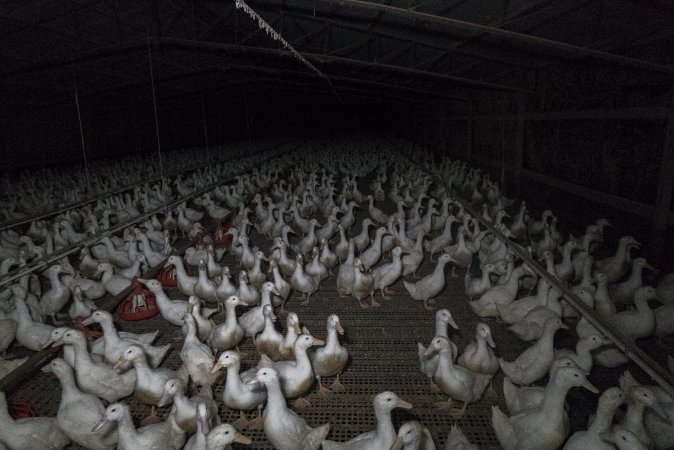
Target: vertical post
<point>520,130</point>
<point>469,133</point>
<point>663,199</point>
<point>203,116</point>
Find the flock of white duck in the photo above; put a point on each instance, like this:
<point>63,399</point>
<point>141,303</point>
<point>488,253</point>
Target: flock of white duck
<point>315,200</point>
<point>41,191</point>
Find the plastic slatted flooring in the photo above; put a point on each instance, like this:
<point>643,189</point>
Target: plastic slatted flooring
<point>383,347</point>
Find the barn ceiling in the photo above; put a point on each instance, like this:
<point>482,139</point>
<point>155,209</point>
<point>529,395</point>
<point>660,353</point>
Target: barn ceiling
<point>396,50</point>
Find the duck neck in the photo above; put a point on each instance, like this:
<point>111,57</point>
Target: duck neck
<point>634,416</point>
<point>384,423</point>
<point>275,399</point>
<point>22,310</point>
<point>566,259</point>
<point>230,319</point>
<point>583,352</point>
<point>603,419</point>
<point>635,276</point>
<point>350,258</point>
<point>233,380</point>
<point>125,425</point>
<point>68,388</point>
<point>553,401</point>
<point>332,341</point>
<point>109,330</point>
<point>81,351</point>
<point>441,327</point>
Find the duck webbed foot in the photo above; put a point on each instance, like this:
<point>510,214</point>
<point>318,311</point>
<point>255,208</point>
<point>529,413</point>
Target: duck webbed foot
<point>152,418</point>
<point>258,422</point>
<point>435,388</point>
<point>429,304</point>
<point>444,406</point>
<point>305,302</point>
<point>322,390</point>
<point>242,422</point>
<point>374,304</point>
<point>337,386</point>
<point>457,413</point>
<point>301,403</point>
<point>490,393</point>
<point>363,305</point>
<point>454,274</point>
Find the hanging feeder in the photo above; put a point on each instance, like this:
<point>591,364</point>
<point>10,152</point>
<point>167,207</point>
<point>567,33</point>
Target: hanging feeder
<point>167,275</point>
<point>140,304</point>
<point>20,408</point>
<point>219,235</point>
<point>91,335</point>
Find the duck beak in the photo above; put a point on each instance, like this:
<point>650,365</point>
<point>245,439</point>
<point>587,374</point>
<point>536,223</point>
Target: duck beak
<point>203,423</point>
<point>275,291</point>
<point>88,321</point>
<point>564,327</point>
<point>397,445</point>
<point>400,403</point>
<point>142,281</point>
<point>649,267</point>
<point>253,380</point>
<point>241,439</point>
<point>591,387</point>
<point>264,258</point>
<point>429,351</point>
<point>163,401</point>
<point>216,367</point>
<point>99,426</point>
<point>57,343</point>
<point>120,362</point>
<point>452,323</point>
<point>490,341</point>
<point>339,328</point>
<point>48,344</point>
<point>167,265</point>
<point>46,369</point>
<point>241,303</point>
<point>297,328</point>
<point>318,342</point>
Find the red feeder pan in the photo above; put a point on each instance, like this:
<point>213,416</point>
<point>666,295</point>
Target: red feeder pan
<point>167,275</point>
<point>220,239</point>
<point>20,408</point>
<point>140,304</point>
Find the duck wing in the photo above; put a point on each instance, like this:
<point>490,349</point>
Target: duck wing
<point>505,432</point>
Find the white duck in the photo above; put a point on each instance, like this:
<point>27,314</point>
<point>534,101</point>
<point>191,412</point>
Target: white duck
<point>384,436</point>
<point>431,285</point>
<point>159,436</point>
<point>30,433</point>
<point>78,412</point>
<point>283,427</point>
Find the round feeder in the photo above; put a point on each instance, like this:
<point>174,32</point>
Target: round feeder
<point>167,275</point>
<point>140,304</point>
<point>219,236</point>
<point>20,408</point>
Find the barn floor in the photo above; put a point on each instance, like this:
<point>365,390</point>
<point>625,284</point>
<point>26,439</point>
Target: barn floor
<point>383,346</point>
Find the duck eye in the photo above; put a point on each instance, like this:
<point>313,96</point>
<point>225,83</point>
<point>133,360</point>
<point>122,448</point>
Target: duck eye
<point>227,432</point>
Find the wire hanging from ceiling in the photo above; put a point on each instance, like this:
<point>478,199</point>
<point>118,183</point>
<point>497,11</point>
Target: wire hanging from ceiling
<point>79,119</point>
<point>156,120</point>
<point>263,25</point>
<point>203,116</point>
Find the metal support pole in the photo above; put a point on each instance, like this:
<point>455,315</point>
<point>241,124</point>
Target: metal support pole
<point>520,130</point>
<point>663,199</point>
